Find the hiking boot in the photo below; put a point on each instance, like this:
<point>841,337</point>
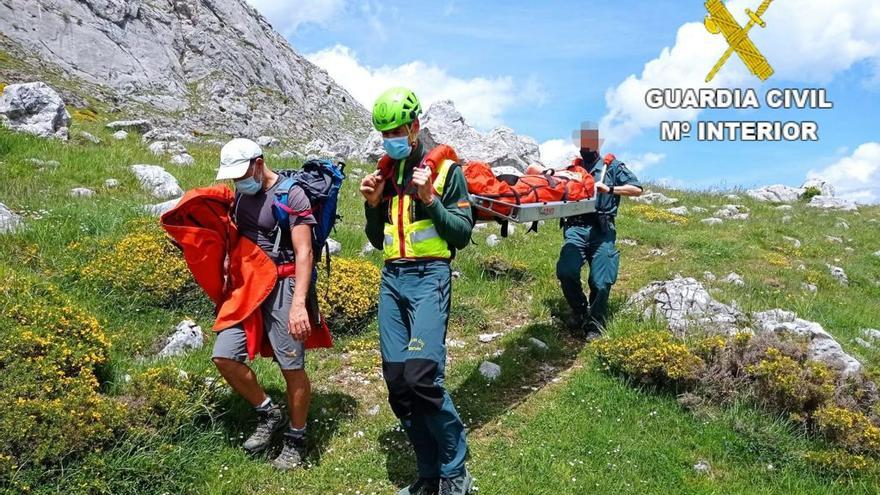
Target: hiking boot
<point>591,331</point>
<point>460,485</point>
<point>293,453</point>
<point>575,322</point>
<point>424,486</point>
<point>269,421</point>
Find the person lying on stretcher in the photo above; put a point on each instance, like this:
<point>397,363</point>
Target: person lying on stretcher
<point>538,185</point>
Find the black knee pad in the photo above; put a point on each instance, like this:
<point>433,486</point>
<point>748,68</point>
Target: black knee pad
<point>399,396</point>
<point>419,376</point>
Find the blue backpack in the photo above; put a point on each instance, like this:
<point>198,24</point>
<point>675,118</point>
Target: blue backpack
<point>320,180</point>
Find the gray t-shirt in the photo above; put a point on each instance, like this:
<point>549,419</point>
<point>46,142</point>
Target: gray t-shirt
<point>255,220</point>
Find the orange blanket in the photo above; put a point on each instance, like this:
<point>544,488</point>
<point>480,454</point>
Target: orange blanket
<point>571,184</point>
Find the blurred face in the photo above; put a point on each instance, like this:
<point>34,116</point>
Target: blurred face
<point>589,140</point>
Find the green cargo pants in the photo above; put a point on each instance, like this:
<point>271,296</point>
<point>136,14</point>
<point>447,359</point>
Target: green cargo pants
<point>591,246</point>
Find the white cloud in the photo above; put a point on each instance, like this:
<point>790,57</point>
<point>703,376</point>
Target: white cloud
<point>806,41</point>
<point>638,163</point>
<point>288,18</point>
<point>855,177</point>
<point>482,101</point>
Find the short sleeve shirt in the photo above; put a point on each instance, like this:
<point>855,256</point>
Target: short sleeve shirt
<point>256,221</point>
<point>617,175</point>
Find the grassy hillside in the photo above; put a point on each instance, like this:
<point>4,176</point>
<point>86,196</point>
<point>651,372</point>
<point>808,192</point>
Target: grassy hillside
<point>557,421</point>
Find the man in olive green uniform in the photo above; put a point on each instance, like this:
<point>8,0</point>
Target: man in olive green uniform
<point>419,217</point>
<point>590,238</point>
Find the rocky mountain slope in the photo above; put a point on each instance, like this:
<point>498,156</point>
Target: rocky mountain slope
<point>210,66</point>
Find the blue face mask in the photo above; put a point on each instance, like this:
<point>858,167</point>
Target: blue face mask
<point>249,186</point>
<point>397,148</point>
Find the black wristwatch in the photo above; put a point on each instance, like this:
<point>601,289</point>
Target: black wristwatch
<point>610,189</point>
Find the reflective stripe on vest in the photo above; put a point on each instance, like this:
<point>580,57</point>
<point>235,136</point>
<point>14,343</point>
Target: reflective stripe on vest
<point>405,238</point>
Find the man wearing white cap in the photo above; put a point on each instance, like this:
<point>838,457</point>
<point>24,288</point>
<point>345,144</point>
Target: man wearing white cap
<point>284,311</point>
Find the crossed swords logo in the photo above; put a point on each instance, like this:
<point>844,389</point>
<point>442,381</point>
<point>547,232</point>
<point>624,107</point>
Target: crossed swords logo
<point>719,20</point>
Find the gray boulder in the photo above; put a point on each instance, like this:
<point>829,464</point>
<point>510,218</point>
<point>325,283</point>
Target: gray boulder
<point>838,274</point>
<point>9,220</point>
<point>822,345</point>
<point>443,124</point>
<point>679,210</point>
<point>538,344</point>
<point>166,135</point>
<point>82,192</point>
<point>334,246</point>
<point>795,243</point>
<point>111,183</point>
<point>34,108</point>
<point>654,198</point>
<point>685,304</point>
<point>155,180</point>
<point>267,141</point>
<point>735,279</point>
<point>88,137</point>
<point>215,66</point>
<point>141,126</point>
<point>732,212</point>
<point>490,371</point>
<point>187,336</point>
<point>160,148</point>
<point>371,150</point>
<point>776,193</point>
<point>824,187</point>
<point>688,307</point>
<point>120,135</point>
<point>493,240</point>
<point>831,203</point>
<point>160,208</point>
<point>712,221</point>
<point>183,159</point>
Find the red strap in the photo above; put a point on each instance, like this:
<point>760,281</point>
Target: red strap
<point>286,270</point>
<point>609,158</point>
<point>290,211</point>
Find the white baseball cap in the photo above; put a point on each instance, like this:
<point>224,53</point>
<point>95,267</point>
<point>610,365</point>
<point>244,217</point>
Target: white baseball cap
<point>235,158</point>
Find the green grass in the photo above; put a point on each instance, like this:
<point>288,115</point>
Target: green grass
<point>553,423</point>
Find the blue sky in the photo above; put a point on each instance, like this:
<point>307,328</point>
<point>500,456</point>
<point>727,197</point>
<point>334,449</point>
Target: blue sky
<point>543,68</point>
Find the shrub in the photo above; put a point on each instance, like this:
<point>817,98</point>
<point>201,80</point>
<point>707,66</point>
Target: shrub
<point>851,429</point>
<point>839,462</point>
<point>165,396</point>
<point>50,407</point>
<point>349,296</point>
<point>84,115</point>
<point>497,267</point>
<point>649,357</point>
<point>142,264</point>
<point>792,385</point>
<point>776,259</point>
<point>810,193</point>
<point>654,214</point>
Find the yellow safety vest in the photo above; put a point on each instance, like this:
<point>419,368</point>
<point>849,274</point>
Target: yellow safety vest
<point>405,238</point>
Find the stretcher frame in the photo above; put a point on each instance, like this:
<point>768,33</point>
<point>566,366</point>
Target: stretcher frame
<point>535,212</point>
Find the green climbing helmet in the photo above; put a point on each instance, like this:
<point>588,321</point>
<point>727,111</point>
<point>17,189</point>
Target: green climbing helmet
<point>394,108</point>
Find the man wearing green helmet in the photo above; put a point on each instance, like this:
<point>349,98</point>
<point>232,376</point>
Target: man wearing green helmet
<point>418,212</point>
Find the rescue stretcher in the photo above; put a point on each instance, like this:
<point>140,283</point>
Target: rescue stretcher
<point>535,212</point>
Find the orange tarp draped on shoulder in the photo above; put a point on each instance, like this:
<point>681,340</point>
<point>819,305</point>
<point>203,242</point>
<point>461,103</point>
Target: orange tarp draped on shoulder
<point>201,225</point>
